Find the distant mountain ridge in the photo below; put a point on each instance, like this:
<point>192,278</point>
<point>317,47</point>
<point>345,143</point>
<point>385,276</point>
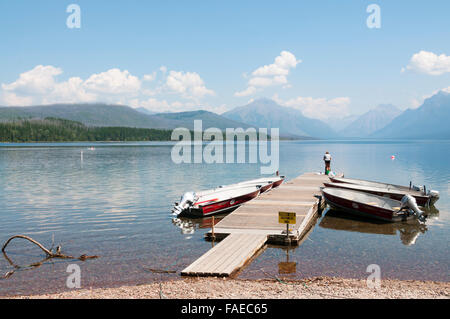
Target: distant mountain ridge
<point>429,121</point>
<point>145,111</point>
<point>291,122</point>
<point>118,115</point>
<point>371,121</point>
<point>209,119</point>
<point>341,123</point>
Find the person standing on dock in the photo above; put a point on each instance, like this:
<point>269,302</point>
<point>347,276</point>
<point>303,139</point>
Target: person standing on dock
<point>327,160</point>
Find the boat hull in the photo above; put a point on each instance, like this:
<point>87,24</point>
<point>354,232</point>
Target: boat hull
<point>363,210</point>
<point>420,199</point>
<point>223,206</point>
<point>278,183</point>
<point>266,188</point>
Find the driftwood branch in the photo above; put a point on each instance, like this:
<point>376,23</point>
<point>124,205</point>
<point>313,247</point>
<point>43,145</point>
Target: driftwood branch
<point>48,252</point>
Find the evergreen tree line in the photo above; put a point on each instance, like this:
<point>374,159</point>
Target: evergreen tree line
<point>53,129</point>
<point>61,130</point>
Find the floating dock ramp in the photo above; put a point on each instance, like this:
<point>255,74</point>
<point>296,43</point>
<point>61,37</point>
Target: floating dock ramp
<point>249,228</point>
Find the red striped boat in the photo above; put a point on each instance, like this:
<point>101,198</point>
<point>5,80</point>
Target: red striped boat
<point>372,206</point>
<point>422,195</point>
<point>224,198</point>
<point>422,200</point>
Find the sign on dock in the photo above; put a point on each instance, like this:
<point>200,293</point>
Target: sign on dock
<point>287,218</point>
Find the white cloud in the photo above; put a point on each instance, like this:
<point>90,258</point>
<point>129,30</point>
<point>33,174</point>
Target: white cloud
<point>267,81</point>
<point>113,81</point>
<point>429,63</point>
<point>39,80</point>
<point>70,91</point>
<point>41,86</point>
<point>248,91</point>
<point>163,105</point>
<point>149,77</point>
<point>163,69</point>
<point>271,75</point>
<point>319,108</point>
<point>283,63</point>
<point>188,84</point>
<point>9,98</point>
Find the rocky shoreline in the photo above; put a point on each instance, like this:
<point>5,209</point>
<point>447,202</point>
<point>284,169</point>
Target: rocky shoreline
<point>311,288</point>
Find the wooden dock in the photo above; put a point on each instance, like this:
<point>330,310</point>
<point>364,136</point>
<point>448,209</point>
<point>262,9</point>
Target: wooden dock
<point>249,228</point>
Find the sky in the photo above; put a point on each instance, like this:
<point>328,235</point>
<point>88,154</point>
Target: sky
<point>329,59</point>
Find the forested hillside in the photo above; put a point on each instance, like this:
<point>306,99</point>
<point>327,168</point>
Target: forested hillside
<point>61,130</point>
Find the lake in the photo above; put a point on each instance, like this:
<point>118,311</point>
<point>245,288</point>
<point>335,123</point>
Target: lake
<point>115,202</point>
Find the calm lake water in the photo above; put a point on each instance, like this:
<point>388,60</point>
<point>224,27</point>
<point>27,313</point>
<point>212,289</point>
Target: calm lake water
<point>116,203</point>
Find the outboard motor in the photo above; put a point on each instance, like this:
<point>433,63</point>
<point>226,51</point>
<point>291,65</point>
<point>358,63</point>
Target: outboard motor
<point>186,201</point>
<point>410,202</point>
<point>434,196</point>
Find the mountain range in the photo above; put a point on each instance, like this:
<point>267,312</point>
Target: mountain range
<point>291,122</point>
<point>371,121</point>
<point>119,115</point>
<point>430,120</point>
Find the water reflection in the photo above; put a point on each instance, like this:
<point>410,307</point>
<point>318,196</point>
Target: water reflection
<point>287,267</point>
<point>188,225</point>
<point>408,231</point>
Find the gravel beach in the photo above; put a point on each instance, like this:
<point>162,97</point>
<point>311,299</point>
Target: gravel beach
<point>312,288</point>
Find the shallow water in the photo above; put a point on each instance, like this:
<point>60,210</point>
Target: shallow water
<point>115,202</point>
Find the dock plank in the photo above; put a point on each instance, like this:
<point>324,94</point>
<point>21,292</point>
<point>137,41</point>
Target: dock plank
<point>233,245</point>
<point>227,256</point>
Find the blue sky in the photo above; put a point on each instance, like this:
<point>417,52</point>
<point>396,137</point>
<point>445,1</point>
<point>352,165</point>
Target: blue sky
<point>182,55</point>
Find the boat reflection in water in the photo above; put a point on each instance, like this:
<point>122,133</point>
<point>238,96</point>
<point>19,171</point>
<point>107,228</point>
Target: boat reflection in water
<point>189,225</point>
<point>409,230</point>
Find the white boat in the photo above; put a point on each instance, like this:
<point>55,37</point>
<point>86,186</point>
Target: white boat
<point>266,183</point>
<point>224,198</point>
<point>372,206</point>
<point>423,196</point>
